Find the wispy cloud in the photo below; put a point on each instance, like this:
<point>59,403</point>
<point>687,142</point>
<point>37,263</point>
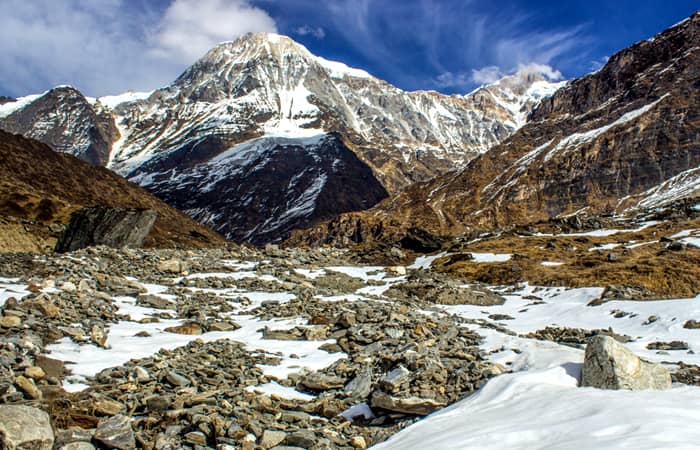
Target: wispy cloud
<point>460,43</point>
<point>306,30</point>
<point>109,46</point>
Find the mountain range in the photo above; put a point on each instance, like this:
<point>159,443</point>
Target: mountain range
<point>260,137</point>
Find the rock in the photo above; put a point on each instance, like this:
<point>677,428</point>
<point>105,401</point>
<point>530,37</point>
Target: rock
<point>101,225</point>
<point>154,301</point>
<point>303,439</point>
<point>224,326</point>
<point>10,321</point>
<point>320,382</point>
<point>361,386</point>
<point>34,372</point>
<point>673,345</point>
<point>186,328</point>
<point>421,241</point>
<point>610,365</point>
<point>677,246</point>
<point>78,446</point>
<point>24,427</point>
<point>358,442</point>
<point>397,270</point>
<point>176,379</point>
<point>410,405</point>
<point>395,378</point>
<point>108,407</point>
<point>28,387</point>
<point>115,432</point>
<point>271,438</point>
<point>53,368</point>
<point>196,438</point>
<point>692,324</point>
<point>175,266</point>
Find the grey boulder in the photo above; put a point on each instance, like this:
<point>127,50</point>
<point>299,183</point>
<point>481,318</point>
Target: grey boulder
<point>24,427</point>
<point>610,365</point>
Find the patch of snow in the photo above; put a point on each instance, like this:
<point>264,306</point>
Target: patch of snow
<point>112,101</point>
<point>8,108</point>
<point>9,287</point>
<point>491,257</point>
<point>339,70</point>
<point>603,247</point>
<point>551,263</point>
<point>578,139</point>
<point>424,262</point>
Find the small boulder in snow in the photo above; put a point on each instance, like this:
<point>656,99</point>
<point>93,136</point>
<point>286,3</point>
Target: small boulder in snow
<point>610,365</point>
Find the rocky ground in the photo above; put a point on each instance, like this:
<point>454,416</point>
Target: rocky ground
<point>246,348</point>
<point>388,361</point>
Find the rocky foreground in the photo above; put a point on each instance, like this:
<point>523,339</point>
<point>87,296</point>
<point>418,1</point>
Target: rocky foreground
<point>246,348</point>
<point>386,363</point>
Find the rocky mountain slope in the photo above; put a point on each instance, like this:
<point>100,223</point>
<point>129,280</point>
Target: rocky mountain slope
<point>620,140</point>
<point>41,188</point>
<point>256,91</point>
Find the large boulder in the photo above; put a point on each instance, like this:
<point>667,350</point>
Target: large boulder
<point>610,365</point>
<point>24,427</point>
<point>101,225</point>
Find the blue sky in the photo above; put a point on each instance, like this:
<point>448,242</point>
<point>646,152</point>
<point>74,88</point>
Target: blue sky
<point>110,46</point>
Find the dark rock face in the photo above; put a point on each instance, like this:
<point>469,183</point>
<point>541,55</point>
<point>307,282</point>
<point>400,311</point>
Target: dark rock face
<point>112,227</point>
<point>260,191</point>
<point>65,120</point>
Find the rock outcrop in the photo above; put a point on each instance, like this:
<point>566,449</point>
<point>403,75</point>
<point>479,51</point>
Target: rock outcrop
<point>610,365</point>
<point>113,227</point>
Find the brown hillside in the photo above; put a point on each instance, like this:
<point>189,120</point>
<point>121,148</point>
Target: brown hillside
<point>41,188</point>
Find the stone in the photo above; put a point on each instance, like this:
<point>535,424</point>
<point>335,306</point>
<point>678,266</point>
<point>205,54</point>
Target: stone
<point>358,442</point>
<point>610,365</point>
<point>34,372</point>
<point>272,438</point>
<point>108,407</point>
<point>397,270</point>
<point>223,326</point>
<point>154,301</point>
<point>302,438</point>
<point>189,328</point>
<point>69,286</point>
<point>176,379</point>
<point>115,432</point>
<point>361,386</point>
<point>10,321</point>
<point>196,438</point>
<point>692,324</point>
<point>53,368</point>
<point>395,378</point>
<point>28,387</point>
<point>320,382</point>
<point>175,266</point>
<point>78,446</point>
<point>24,427</point>
<point>408,405</point>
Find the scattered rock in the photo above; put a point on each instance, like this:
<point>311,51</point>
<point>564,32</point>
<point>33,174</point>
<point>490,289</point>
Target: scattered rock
<point>410,405</point>
<point>664,346</point>
<point>10,321</point>
<point>186,328</point>
<point>271,438</point>
<point>610,365</point>
<point>692,324</point>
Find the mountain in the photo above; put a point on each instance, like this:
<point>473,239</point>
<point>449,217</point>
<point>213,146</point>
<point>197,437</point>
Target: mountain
<point>623,139</point>
<point>269,93</point>
<point>41,188</point>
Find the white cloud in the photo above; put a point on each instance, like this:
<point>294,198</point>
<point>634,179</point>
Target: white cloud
<point>486,75</point>
<point>109,46</point>
<point>191,27</point>
<point>540,69</point>
<point>306,30</point>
